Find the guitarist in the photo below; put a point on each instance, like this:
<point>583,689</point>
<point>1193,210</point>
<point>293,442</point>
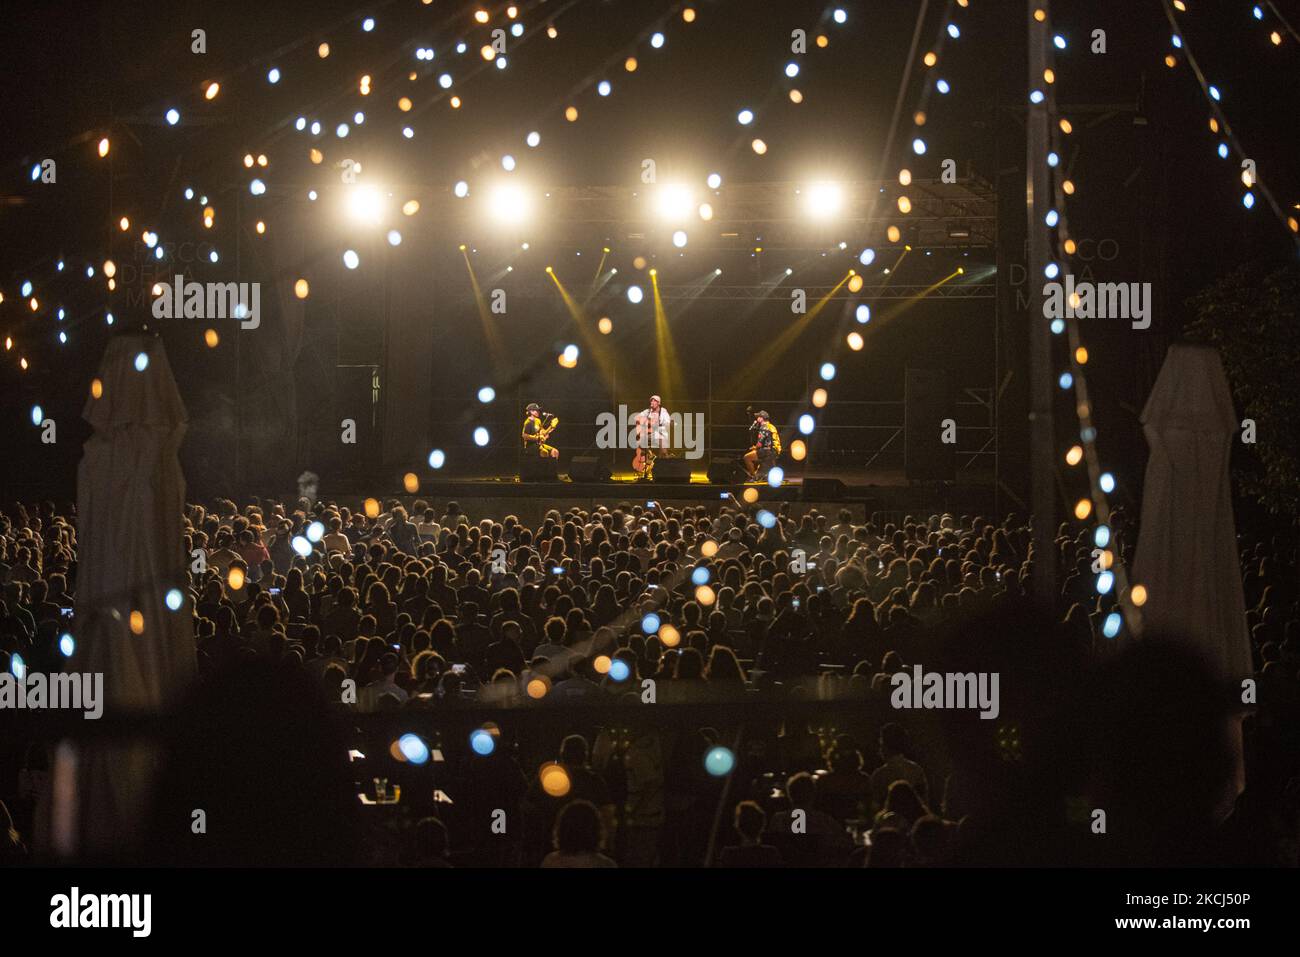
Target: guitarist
<point>767,445</point>
<point>538,426</point>
<point>653,424</point>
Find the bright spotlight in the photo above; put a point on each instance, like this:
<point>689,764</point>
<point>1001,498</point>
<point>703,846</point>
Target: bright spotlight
<point>365,203</point>
<point>714,180</point>
<point>481,437</point>
<point>674,202</point>
<point>634,294</point>
<point>679,238</point>
<point>824,200</point>
<point>508,204</point>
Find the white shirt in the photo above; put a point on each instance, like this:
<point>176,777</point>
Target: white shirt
<point>659,423</point>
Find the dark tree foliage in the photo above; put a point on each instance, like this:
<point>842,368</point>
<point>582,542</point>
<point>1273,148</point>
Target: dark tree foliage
<point>1250,316</point>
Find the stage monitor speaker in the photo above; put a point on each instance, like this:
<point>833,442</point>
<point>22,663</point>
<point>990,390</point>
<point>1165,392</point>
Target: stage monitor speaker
<point>588,468</point>
<point>822,490</point>
<point>537,468</point>
<point>672,471</point>
<point>928,401</point>
<point>723,472</point>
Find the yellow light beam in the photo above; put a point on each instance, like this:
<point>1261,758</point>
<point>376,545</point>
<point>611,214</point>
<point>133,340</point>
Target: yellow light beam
<point>744,381</point>
<point>906,304</point>
<point>590,344</point>
<point>671,381</point>
<point>496,349</point>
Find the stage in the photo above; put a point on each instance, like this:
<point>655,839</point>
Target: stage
<point>862,491</point>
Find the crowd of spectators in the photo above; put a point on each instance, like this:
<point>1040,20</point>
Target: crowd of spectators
<point>788,623</point>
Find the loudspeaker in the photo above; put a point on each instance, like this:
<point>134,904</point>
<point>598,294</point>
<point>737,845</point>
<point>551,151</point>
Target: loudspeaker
<point>537,468</point>
<point>588,468</point>
<point>724,472</point>
<point>822,490</point>
<point>672,471</point>
<point>928,401</point>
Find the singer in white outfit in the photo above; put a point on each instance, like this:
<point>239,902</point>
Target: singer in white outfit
<point>656,419</point>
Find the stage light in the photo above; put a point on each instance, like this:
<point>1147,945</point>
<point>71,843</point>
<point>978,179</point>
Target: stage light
<point>714,180</point>
<point>211,339</point>
<point>534,139</point>
<point>257,187</point>
<point>1248,200</point>
<point>603,88</point>
<point>766,518</point>
<point>1053,160</point>
<point>445,81</point>
<point>38,415</point>
<point>501,63</point>
<point>918,146</point>
<point>806,424</point>
<point>745,117</point>
<point>173,117</point>
<point>1107,482</point>
<point>619,670</point>
<point>341,131</point>
<point>555,780</point>
<point>571,114</point>
<point>351,259</point>
<point>668,634</point>
<point>606,325</point>
<point>508,163</point>
<point>650,623</point>
<point>273,77</point>
<point>759,147</point>
<point>673,202</point>
<point>481,437</point>
<point>823,200</point>
<point>437,459</point>
<point>103,147</point>
<point>954,31</point>
<point>67,645</point>
<point>1066,380</point>
<point>486,394</point>
<point>26,289</point>
<point>1105,581</point>
<point>365,203</point>
<point>1059,42</point>
<point>839,15</point>
<point>679,238</point>
<point>315,129</point>
<point>775,476</point>
<point>827,371</point>
<point>942,86</point>
<point>819,398</point>
<point>141,361</point>
<point>855,341</point>
<point>508,204</point>
<point>569,357</point>
<point>634,294</point>
<point>394,238</point>
<point>368,24</point>
<point>461,189</point>
<point>792,70</point>
<point>750,495</point>
<point>657,40</point>
<point>789,271</point>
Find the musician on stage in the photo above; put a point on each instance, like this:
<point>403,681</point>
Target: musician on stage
<point>538,426</point>
<point>652,427</point>
<point>767,445</point>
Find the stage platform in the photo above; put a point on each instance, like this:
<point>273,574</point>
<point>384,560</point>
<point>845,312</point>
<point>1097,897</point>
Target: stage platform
<point>885,492</point>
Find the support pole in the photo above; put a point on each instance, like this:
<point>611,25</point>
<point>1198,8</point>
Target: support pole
<point>1038,199</point>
